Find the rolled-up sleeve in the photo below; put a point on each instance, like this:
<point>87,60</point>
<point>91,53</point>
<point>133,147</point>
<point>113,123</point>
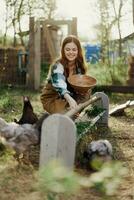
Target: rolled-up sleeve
<point>58,79</point>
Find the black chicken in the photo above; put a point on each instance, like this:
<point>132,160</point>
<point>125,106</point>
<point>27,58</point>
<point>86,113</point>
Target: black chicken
<point>28,115</point>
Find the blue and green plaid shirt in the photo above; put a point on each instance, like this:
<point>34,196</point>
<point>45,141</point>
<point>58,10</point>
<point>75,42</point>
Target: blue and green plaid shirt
<point>58,79</point>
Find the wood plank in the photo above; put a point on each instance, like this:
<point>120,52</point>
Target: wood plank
<point>119,110</point>
<point>57,22</point>
<point>30,74</point>
<point>37,58</point>
<point>115,88</point>
<point>49,40</point>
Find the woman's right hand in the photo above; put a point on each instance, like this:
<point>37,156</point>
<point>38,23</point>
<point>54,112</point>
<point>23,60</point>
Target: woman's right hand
<point>70,100</point>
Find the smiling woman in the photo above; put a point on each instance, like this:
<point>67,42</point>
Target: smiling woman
<point>58,96</point>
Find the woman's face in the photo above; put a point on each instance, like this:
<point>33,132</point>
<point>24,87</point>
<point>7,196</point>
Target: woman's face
<point>71,51</point>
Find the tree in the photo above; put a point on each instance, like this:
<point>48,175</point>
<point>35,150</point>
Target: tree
<point>48,7</point>
<point>104,28</point>
<point>118,16</point>
<point>17,9</point>
<point>111,13</point>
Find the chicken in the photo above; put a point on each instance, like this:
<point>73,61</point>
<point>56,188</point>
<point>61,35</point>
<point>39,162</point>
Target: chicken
<point>7,129</point>
<point>96,153</point>
<point>28,115</point>
<point>18,136</point>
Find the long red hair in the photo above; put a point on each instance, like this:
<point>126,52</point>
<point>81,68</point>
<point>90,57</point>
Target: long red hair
<point>80,61</point>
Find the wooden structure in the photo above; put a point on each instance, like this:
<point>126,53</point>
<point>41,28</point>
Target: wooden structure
<point>43,37</point>
<point>115,88</point>
<point>9,71</point>
<point>59,141</point>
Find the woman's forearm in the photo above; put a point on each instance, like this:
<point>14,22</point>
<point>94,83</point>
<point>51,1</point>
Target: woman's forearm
<point>70,100</point>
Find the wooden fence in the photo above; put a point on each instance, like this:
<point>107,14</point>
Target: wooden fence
<point>9,67</point>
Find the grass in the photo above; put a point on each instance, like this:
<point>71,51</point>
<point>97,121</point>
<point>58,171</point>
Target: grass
<point>17,180</point>
<point>11,102</point>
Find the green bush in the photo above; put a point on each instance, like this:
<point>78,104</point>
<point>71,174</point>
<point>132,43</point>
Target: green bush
<point>44,71</point>
<point>110,74</point>
<point>54,179</point>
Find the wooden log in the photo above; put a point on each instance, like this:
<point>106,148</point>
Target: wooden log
<point>81,106</point>
<point>119,110</point>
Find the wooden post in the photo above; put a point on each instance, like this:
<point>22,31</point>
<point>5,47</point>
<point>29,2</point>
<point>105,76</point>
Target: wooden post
<point>74,26</point>
<point>103,102</point>
<point>30,73</point>
<point>69,28</point>
<point>49,41</point>
<point>37,57</point>
<point>58,140</point>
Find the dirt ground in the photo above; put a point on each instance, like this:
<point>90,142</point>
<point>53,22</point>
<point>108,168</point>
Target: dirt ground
<point>17,182</point>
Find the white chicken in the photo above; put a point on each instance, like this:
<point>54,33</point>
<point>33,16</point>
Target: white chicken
<point>17,136</point>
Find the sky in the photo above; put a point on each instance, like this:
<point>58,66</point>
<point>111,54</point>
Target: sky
<point>86,17</point>
<point>84,13</point>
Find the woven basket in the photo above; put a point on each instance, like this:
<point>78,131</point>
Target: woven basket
<point>82,83</point>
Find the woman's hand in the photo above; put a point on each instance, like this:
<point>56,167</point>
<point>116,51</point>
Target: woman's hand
<point>70,100</point>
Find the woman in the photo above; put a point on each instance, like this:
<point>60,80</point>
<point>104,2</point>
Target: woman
<point>58,96</point>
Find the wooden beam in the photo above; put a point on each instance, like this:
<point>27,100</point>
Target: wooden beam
<point>56,22</point>
<point>74,26</point>
<point>37,57</point>
<point>49,41</point>
<point>114,88</point>
<point>30,74</point>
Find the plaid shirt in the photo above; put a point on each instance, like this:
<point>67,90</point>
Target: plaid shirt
<point>58,79</point>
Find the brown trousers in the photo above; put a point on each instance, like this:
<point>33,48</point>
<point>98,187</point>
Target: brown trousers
<point>53,103</point>
<point>51,100</point>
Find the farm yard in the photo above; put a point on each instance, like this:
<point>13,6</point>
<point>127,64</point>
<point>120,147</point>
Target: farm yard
<point>18,178</point>
<point>85,137</point>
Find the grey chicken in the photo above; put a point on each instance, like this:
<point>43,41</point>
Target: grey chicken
<point>100,151</point>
